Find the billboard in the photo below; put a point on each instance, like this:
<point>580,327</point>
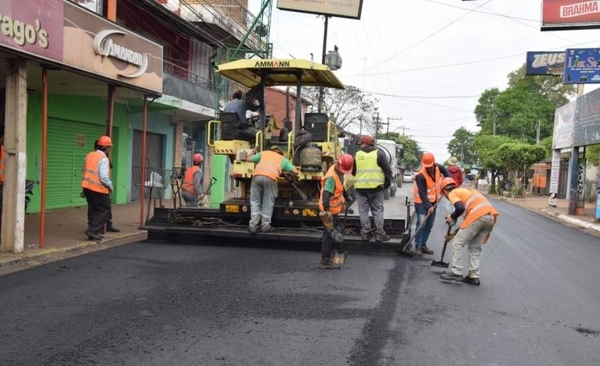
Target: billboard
<point>582,66</point>
<point>336,8</point>
<point>570,14</point>
<point>564,126</point>
<point>587,119</point>
<point>545,63</point>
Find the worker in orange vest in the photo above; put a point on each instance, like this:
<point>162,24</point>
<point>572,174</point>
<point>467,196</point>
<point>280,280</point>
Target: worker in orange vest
<point>191,188</point>
<point>478,223</point>
<point>263,189</point>
<point>97,187</point>
<point>331,203</point>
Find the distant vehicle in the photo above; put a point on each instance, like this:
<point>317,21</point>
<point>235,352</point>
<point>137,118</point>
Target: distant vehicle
<point>407,177</point>
<point>393,152</point>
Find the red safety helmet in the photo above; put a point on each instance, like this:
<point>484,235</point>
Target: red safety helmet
<point>345,163</point>
<point>448,184</point>
<point>427,160</point>
<point>104,141</point>
<point>198,158</point>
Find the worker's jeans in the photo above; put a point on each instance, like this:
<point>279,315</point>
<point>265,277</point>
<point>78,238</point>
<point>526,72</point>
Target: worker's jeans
<point>191,200</point>
<point>473,237</point>
<point>263,191</point>
<point>372,201</point>
<point>423,235</point>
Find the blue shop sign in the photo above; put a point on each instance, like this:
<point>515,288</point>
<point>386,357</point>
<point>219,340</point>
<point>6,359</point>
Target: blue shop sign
<point>545,63</point>
<point>582,66</point>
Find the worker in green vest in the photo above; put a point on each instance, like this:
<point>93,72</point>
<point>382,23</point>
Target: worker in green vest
<point>373,176</point>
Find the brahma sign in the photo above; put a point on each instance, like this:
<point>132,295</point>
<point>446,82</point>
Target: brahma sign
<point>570,14</point>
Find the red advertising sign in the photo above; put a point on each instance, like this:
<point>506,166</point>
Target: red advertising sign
<point>33,26</point>
<point>570,14</point>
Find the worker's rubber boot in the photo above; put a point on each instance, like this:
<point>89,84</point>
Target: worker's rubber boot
<point>327,264</point>
<point>426,250</point>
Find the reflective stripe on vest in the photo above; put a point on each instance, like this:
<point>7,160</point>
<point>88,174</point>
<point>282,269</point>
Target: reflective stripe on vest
<point>368,174</point>
<point>269,165</point>
<point>188,179</point>
<point>476,206</point>
<point>2,157</point>
<point>336,201</point>
<point>432,186</point>
<point>91,174</point>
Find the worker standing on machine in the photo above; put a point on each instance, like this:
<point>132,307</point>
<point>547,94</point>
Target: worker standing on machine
<point>191,188</point>
<point>263,189</point>
<point>373,176</point>
<point>331,203</point>
<point>475,230</point>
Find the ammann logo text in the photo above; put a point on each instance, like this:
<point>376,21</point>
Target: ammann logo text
<point>105,46</point>
<point>272,63</point>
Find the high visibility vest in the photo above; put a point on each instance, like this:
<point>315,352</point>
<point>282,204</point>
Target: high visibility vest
<point>2,157</point>
<point>188,179</point>
<point>91,174</point>
<point>368,174</point>
<point>433,187</point>
<point>269,165</point>
<point>476,205</point>
<point>336,201</point>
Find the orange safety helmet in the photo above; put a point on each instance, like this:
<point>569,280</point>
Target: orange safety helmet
<point>104,141</point>
<point>427,160</point>
<point>448,184</point>
<point>345,163</point>
<point>198,158</point>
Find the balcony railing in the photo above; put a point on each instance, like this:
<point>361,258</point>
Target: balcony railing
<point>183,74</point>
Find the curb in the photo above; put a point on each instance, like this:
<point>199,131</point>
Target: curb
<point>105,244</point>
<point>579,223</point>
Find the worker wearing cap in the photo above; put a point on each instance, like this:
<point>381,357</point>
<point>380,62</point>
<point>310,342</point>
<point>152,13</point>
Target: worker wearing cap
<point>97,187</point>
<point>331,203</point>
<point>263,189</point>
<point>426,192</point>
<point>373,176</point>
<point>191,187</point>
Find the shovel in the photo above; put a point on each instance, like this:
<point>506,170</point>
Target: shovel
<point>441,262</point>
<point>419,228</point>
<point>201,197</point>
<point>339,257</point>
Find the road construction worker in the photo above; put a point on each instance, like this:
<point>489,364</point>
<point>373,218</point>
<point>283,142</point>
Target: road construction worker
<point>479,220</point>
<point>373,176</point>
<point>332,203</point>
<point>426,189</point>
<point>97,187</point>
<point>191,187</point>
<point>263,189</point>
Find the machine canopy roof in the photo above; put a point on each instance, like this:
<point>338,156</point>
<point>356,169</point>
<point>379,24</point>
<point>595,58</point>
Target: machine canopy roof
<point>249,72</point>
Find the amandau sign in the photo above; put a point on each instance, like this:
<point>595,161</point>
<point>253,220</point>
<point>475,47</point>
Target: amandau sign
<point>570,14</point>
<point>95,45</point>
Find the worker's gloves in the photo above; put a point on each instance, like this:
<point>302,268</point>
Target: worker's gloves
<point>450,236</point>
<point>450,220</point>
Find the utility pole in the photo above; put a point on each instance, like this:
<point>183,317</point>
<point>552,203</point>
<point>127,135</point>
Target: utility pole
<point>537,133</point>
<point>376,118</point>
<point>391,119</point>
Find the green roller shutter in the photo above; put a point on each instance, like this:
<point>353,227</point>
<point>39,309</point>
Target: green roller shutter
<point>68,144</point>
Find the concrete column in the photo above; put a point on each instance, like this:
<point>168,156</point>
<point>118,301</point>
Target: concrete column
<point>178,146</point>
<point>15,134</point>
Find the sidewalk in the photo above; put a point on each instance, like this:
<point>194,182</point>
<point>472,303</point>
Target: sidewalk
<point>64,234</point>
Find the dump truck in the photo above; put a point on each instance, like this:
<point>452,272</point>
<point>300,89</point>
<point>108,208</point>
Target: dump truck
<point>312,144</point>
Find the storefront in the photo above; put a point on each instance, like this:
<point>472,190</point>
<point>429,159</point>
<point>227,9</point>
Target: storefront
<point>71,76</point>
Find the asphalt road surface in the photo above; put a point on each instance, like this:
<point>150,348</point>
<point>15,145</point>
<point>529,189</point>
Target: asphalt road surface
<point>160,303</point>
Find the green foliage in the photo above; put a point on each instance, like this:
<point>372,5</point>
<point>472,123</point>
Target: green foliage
<point>486,147</point>
<point>518,156</point>
<point>461,146</point>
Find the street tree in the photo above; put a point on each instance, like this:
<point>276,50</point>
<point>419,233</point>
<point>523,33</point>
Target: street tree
<point>486,149</point>
<point>461,146</point>
<point>518,157</point>
<point>352,108</point>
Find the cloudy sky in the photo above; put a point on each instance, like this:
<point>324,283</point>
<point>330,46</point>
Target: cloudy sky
<point>427,61</point>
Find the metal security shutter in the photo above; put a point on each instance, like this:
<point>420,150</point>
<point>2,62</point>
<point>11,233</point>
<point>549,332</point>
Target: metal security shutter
<point>154,159</point>
<point>68,144</point>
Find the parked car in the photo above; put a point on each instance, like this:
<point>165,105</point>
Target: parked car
<point>407,177</point>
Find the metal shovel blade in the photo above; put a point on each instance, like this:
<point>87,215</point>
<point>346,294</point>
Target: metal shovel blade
<point>439,264</point>
<point>339,257</point>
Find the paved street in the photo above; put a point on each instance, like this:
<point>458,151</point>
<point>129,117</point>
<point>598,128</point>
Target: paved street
<point>161,303</point>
